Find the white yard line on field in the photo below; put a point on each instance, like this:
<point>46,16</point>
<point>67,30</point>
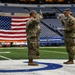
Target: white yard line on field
<point>27,48</point>
<point>14,48</point>
<point>4,52</point>
<point>54,52</point>
<point>54,47</point>
<point>5,57</point>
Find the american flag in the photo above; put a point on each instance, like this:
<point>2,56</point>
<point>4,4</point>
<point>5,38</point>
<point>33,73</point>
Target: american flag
<point>13,29</point>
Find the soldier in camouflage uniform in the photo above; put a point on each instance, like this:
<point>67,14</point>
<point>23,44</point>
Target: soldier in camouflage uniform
<point>33,36</point>
<point>69,26</point>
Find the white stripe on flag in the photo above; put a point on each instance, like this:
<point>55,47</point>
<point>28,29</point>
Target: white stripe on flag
<point>13,31</point>
<point>18,19</point>
<point>15,39</point>
<point>18,26</point>
<point>18,23</point>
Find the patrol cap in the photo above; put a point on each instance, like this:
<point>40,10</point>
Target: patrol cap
<point>32,12</point>
<point>66,10</point>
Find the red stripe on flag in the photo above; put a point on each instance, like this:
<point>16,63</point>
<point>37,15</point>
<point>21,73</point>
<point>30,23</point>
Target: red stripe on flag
<point>19,25</point>
<point>2,32</point>
<point>18,28</point>
<point>19,21</point>
<point>13,37</point>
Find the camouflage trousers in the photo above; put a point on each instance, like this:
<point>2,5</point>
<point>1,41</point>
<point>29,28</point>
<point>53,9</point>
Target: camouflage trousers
<point>33,47</point>
<point>69,42</point>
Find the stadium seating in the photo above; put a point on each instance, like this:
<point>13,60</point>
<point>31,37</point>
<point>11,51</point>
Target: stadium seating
<point>14,9</point>
<point>53,24</point>
<point>46,32</point>
<point>62,8</point>
<point>49,37</point>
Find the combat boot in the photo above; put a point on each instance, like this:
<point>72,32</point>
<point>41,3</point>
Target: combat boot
<point>31,63</point>
<point>70,61</point>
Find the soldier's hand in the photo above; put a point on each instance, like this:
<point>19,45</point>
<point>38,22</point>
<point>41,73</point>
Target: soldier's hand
<point>61,29</point>
<point>40,12</point>
<point>61,17</point>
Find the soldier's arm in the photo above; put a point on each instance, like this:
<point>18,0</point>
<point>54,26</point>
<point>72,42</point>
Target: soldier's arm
<point>28,25</point>
<point>32,23</point>
<point>63,22</point>
<point>35,22</point>
<point>39,16</point>
<point>71,25</point>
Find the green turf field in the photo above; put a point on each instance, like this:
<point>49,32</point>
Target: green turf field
<point>22,53</point>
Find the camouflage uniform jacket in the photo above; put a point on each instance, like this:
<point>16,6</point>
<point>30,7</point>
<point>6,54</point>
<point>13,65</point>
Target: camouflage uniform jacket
<point>69,25</point>
<point>32,27</point>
